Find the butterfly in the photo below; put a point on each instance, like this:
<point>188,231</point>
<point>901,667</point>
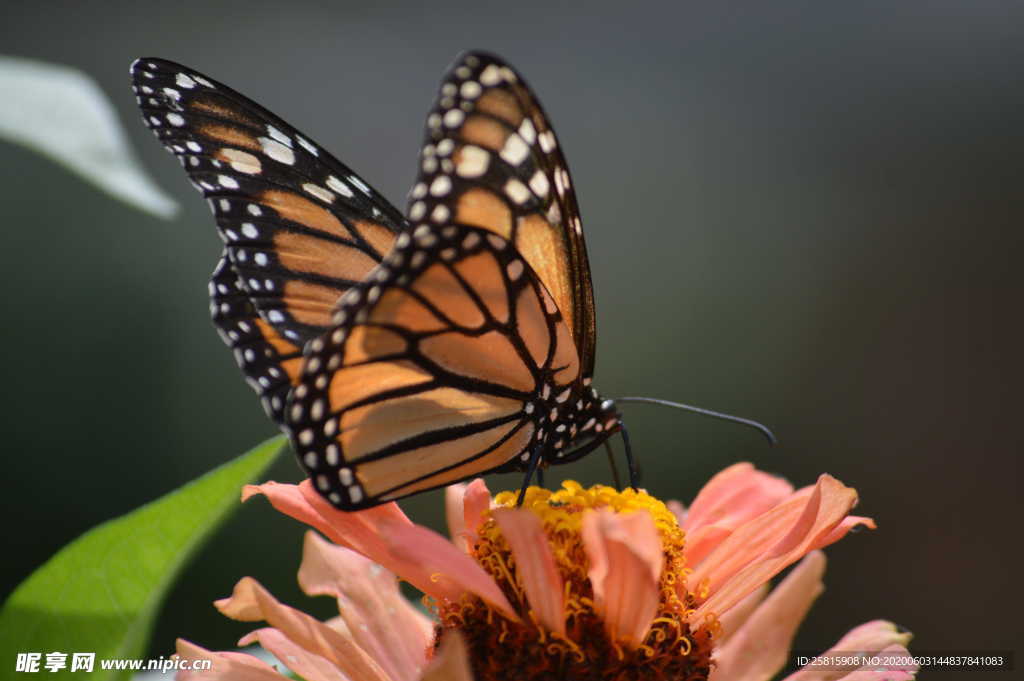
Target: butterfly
<point>400,353</point>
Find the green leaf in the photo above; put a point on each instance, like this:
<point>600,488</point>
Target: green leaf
<point>101,592</point>
<point>62,113</point>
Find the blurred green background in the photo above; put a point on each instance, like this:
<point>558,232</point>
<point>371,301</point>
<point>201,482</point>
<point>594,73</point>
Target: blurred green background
<point>804,213</point>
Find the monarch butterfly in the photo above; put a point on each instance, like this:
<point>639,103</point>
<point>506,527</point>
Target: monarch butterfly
<point>399,353</point>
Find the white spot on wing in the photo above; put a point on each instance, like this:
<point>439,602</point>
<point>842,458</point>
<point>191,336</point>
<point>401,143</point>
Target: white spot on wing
<point>547,141</point>
<point>473,161</point>
<point>277,151</point>
<point>527,131</point>
<point>539,184</point>
<point>453,117</point>
<point>339,186</point>
<point>440,213</point>
<point>359,184</point>
<point>515,150</point>
<point>441,185</point>
<point>517,191</point>
<point>490,75</point>
<point>308,146</point>
<point>242,161</point>
<point>279,136</point>
<point>319,192</point>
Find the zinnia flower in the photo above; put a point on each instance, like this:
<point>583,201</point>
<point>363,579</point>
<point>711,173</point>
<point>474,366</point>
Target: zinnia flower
<point>578,584</point>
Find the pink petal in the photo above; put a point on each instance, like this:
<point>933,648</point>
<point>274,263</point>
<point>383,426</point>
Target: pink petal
<point>225,666</point>
<point>251,602</point>
<point>452,660</point>
<point>761,548</point>
<point>362,531</point>
<point>625,555</point>
<point>464,508</point>
<point>476,501</point>
<point>873,635</point>
<point>438,558</point>
<point>761,647</point>
<point>382,621</point>
<point>535,566</point>
<point>841,530</point>
<point>734,618</point>
<point>702,541</point>
<point>732,497</point>
<point>870,637</point>
<point>735,495</point>
<point>454,496</point>
<point>309,666</point>
<point>386,536</point>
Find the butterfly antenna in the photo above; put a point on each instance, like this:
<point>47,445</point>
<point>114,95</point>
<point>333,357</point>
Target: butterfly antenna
<point>615,468</point>
<point>634,472</point>
<point>699,410</point>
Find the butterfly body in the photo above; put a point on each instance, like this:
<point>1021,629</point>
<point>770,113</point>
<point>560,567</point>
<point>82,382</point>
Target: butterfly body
<point>400,353</point>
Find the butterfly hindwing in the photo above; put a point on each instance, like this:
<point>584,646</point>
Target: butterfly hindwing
<point>271,364</point>
<point>450,361</point>
<point>300,227</point>
<point>491,159</point>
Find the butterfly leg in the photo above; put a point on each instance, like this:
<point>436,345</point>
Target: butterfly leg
<point>634,471</point>
<point>531,468</point>
<point>615,468</point>
<point>540,476</point>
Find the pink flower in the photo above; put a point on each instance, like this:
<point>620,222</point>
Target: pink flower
<point>577,584</point>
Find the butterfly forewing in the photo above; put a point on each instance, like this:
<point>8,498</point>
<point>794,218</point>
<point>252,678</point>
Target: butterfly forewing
<point>451,361</point>
<point>300,227</point>
<point>490,159</point>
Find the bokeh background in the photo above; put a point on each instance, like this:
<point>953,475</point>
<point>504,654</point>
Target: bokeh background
<point>806,213</point>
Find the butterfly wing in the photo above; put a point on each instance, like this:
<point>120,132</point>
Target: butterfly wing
<point>490,159</point>
<point>300,228</point>
<point>451,361</point>
<point>271,364</point>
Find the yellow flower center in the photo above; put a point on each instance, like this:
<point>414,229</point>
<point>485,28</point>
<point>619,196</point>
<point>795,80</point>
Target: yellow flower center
<point>501,649</point>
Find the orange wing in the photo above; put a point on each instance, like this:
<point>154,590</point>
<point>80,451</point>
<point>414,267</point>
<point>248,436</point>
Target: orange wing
<point>300,228</point>
<point>491,159</point>
<point>451,361</point>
